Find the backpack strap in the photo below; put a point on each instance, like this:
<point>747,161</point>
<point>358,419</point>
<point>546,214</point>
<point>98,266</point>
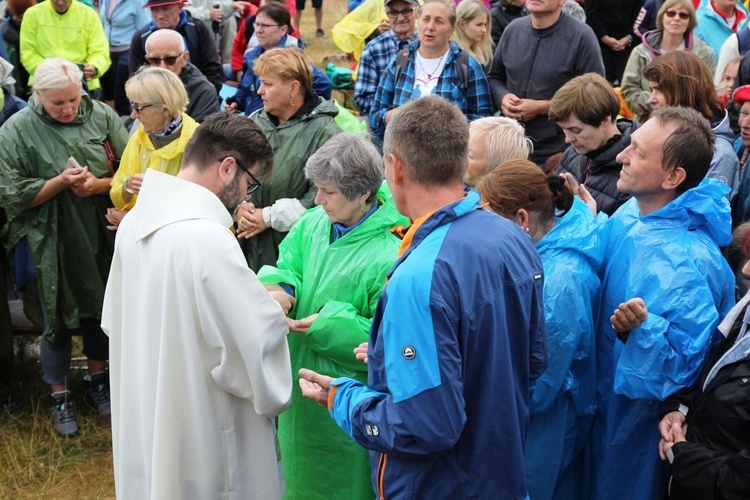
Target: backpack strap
<point>463,69</point>
<point>401,58</point>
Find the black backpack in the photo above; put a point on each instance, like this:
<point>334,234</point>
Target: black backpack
<point>462,60</point>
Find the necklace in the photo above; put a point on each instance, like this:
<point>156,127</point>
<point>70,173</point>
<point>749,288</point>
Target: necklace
<point>429,75</point>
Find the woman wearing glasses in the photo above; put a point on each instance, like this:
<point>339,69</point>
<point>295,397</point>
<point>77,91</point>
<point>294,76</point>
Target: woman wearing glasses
<point>675,22</point>
<point>297,122</point>
<point>334,262</point>
<point>158,100</point>
<point>433,66</point>
<point>56,213</point>
<point>272,27</point>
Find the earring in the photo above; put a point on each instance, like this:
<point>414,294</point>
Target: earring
<point>527,229</point>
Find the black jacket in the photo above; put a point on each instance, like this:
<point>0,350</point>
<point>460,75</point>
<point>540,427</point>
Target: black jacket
<point>601,173</point>
<point>502,14</point>
<point>714,462</point>
<point>200,43</point>
<point>202,97</point>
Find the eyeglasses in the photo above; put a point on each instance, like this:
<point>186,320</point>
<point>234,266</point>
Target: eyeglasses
<point>265,26</point>
<point>138,108</point>
<point>406,12</point>
<point>251,188</point>
<point>170,60</point>
<point>681,15</point>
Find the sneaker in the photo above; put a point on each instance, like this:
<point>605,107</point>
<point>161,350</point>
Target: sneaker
<point>64,414</point>
<point>320,33</point>
<point>97,392</point>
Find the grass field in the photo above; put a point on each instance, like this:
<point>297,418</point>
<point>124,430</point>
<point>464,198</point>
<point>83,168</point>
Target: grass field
<point>34,462</point>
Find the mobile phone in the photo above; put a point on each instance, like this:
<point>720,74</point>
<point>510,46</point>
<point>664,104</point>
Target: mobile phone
<point>72,162</point>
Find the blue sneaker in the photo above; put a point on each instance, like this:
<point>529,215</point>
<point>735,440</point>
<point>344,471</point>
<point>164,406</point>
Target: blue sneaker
<point>64,414</point>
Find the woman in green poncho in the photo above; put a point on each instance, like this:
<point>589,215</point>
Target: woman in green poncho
<point>57,210</point>
<point>334,262</point>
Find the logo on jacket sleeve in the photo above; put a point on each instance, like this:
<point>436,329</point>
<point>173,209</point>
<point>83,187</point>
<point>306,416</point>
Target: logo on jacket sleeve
<point>408,352</point>
<point>372,430</point>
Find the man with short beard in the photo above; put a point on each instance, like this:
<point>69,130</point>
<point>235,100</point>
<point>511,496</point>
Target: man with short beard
<point>199,363</point>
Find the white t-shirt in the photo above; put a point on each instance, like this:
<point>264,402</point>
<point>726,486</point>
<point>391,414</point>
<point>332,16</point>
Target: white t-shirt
<point>426,74</point>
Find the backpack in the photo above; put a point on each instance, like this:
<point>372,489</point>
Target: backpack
<point>462,60</point>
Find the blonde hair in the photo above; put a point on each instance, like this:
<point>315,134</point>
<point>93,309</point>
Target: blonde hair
<point>287,64</point>
<point>466,12</point>
<point>57,73</point>
<point>159,87</point>
<point>503,138</point>
<point>448,3</point>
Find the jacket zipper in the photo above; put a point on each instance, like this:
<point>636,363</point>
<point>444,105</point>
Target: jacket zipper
<point>381,474</point>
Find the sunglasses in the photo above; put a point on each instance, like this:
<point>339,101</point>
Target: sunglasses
<point>681,15</point>
<point>170,60</point>
<point>138,108</point>
<point>251,188</point>
<point>406,11</point>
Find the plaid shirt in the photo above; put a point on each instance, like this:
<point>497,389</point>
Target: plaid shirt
<point>375,59</point>
<point>475,101</point>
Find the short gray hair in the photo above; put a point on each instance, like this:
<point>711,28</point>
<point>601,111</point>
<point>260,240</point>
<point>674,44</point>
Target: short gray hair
<point>349,162</point>
<point>431,137</point>
<point>504,139</point>
<point>57,73</point>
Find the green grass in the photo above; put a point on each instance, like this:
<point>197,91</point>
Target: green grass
<point>34,461</point>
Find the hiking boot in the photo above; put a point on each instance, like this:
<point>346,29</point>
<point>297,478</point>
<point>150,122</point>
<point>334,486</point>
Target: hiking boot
<point>319,33</point>
<point>64,414</point>
<point>97,392</point>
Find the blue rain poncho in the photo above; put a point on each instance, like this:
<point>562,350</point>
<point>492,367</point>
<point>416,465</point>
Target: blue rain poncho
<point>671,259</point>
<point>563,397</point>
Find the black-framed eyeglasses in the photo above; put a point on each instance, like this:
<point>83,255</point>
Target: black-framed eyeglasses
<point>406,11</point>
<point>259,26</point>
<point>251,188</point>
<point>138,108</point>
<point>170,60</point>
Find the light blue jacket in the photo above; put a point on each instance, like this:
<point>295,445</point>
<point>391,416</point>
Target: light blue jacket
<point>671,259</point>
<point>128,17</point>
<point>712,28</point>
<point>563,397</point>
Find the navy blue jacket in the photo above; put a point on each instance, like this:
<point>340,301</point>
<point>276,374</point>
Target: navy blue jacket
<point>451,354</point>
<point>12,106</point>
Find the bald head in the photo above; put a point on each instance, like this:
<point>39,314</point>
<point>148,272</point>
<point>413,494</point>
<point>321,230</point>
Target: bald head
<point>165,48</point>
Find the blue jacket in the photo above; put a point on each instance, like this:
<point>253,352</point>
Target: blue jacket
<point>12,106</point>
<point>247,96</point>
<point>712,28</point>
<point>563,399</point>
<point>475,101</point>
<point>445,408</point>
<point>128,17</point>
<point>671,259</point>
<point>725,166</point>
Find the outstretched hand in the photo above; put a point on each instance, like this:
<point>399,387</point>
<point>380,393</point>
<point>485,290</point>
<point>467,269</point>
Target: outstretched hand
<point>315,386</point>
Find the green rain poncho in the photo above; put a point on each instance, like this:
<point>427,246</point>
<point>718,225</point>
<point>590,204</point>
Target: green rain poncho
<point>70,245</point>
<point>341,281</point>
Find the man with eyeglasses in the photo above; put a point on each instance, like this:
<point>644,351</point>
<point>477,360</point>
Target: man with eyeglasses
<point>198,39</point>
<point>382,50</point>
<point>199,362</point>
<point>166,49</point>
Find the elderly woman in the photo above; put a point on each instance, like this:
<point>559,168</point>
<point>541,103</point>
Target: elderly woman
<point>675,21</point>
<point>434,65</point>
<point>563,397</point>
<point>272,27</point>
<point>586,110</point>
<point>334,262</point>
<point>493,141</point>
<point>158,100</point>
<point>682,79</point>
<point>56,212</point>
<point>297,122</point>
